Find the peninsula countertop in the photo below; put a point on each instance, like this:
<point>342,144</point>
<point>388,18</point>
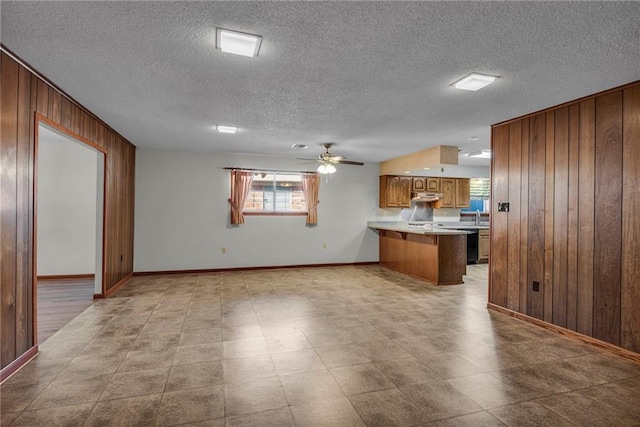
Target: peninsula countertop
<point>427,229</point>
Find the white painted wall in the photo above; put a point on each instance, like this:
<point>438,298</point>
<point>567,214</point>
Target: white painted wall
<point>67,181</point>
<point>182,216</point>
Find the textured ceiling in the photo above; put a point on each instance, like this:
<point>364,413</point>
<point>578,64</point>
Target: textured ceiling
<point>371,76</point>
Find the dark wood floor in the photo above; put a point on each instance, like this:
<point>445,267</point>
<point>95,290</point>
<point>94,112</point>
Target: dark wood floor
<point>59,301</point>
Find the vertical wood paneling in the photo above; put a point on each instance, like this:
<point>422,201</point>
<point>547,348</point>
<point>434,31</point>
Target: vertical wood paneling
<point>499,230</point>
<point>537,155</point>
<point>23,157</point>
<point>548,217</point>
<point>579,219</point>
<point>630,282</point>
<point>8,213</point>
<point>586,200</point>
<point>524,216</point>
<point>23,94</point>
<point>572,216</point>
<point>560,216</point>
<point>513,218</point>
<point>608,212</point>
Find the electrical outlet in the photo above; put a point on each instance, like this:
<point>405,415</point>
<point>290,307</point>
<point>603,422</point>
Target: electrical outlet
<point>324,246</point>
<point>223,250</point>
<point>536,286</point>
<point>503,207</point>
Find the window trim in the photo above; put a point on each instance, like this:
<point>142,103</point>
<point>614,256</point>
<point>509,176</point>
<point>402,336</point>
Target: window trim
<point>278,213</point>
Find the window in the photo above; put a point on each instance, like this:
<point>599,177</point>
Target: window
<point>276,193</point>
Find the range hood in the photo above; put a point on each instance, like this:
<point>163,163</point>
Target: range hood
<point>427,197</point>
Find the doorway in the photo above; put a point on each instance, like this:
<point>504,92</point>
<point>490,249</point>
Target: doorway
<point>69,226</point>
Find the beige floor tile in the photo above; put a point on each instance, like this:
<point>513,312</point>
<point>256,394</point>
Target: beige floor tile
<point>137,383</point>
<point>529,414</point>
<point>73,415</point>
<point>356,379</point>
<point>292,362</point>
<point>200,336</point>
<point>478,419</point>
<point>623,400</point>
<point>584,411</point>
<point>198,353</point>
<point>310,386</point>
<point>133,411</point>
<point>195,375</point>
<point>274,418</point>
<point>64,392</point>
<point>387,408</point>
<point>142,360</point>
<point>184,406</point>
<point>336,412</point>
<point>342,355</point>
<point>250,347</point>
<point>290,342</point>
<point>248,369</point>
<point>440,400</point>
<point>255,396</point>
<point>407,371</point>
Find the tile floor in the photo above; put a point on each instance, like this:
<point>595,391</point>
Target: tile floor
<point>342,346</point>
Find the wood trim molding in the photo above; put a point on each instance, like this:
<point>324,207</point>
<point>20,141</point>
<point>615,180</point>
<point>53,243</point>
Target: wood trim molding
<point>67,277</point>
<point>268,267</point>
<point>14,366</point>
<point>114,288</point>
<point>567,333</point>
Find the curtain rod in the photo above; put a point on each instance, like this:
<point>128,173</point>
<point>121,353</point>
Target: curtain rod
<point>267,170</point>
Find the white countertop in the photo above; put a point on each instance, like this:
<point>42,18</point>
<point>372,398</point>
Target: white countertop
<point>429,229</point>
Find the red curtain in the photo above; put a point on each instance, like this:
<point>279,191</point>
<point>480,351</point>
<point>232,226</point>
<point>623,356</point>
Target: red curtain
<point>311,189</point>
<point>240,187</point>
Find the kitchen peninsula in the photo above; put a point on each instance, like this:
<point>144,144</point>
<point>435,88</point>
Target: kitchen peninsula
<point>435,255</point>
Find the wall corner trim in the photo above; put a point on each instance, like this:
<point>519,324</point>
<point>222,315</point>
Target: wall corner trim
<point>114,288</point>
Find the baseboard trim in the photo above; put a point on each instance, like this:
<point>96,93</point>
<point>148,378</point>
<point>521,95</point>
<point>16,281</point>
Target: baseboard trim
<point>14,366</point>
<point>66,277</point>
<point>114,288</point>
<point>568,333</point>
<point>266,267</point>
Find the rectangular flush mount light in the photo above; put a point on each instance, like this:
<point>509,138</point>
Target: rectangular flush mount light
<point>237,43</point>
<point>227,129</point>
<point>474,81</point>
<point>484,154</point>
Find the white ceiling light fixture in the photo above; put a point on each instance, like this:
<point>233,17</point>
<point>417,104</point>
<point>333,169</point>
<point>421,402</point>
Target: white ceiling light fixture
<point>484,154</point>
<point>227,129</point>
<point>474,81</point>
<point>238,43</point>
<point>326,168</point>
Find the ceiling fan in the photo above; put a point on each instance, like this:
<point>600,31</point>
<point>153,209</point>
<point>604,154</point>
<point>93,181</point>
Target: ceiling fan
<point>328,160</point>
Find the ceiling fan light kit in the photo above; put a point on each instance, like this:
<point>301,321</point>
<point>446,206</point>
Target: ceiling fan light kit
<point>326,168</point>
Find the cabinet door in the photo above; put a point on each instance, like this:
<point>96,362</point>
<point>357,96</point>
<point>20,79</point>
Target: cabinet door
<point>419,184</point>
<point>448,188</point>
<point>463,198</point>
<point>433,185</point>
<point>483,245</point>
<point>395,191</point>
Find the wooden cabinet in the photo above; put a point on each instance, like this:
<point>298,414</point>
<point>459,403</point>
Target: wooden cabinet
<point>463,193</point>
<point>433,185</point>
<point>483,246</point>
<point>419,184</point>
<point>395,191</point>
<point>455,193</point>
<point>448,189</point>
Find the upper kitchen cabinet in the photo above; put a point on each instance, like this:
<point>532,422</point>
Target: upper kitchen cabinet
<point>433,185</point>
<point>463,193</point>
<point>419,184</point>
<point>395,191</point>
<point>455,193</point>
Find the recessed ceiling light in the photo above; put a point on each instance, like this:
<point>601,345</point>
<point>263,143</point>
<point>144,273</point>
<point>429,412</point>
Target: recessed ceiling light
<point>426,169</point>
<point>407,171</point>
<point>238,43</point>
<point>484,154</point>
<point>473,138</point>
<point>227,129</point>
<point>300,146</point>
<point>474,81</point>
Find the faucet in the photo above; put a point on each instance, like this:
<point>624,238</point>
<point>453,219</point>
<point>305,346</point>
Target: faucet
<point>477,216</point>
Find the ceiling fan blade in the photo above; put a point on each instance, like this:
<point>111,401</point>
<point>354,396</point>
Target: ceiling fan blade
<point>349,162</point>
<point>302,158</point>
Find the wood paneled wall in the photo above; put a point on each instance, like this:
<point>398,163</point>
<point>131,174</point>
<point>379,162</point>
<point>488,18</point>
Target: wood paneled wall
<point>571,175</point>
<point>23,95</point>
